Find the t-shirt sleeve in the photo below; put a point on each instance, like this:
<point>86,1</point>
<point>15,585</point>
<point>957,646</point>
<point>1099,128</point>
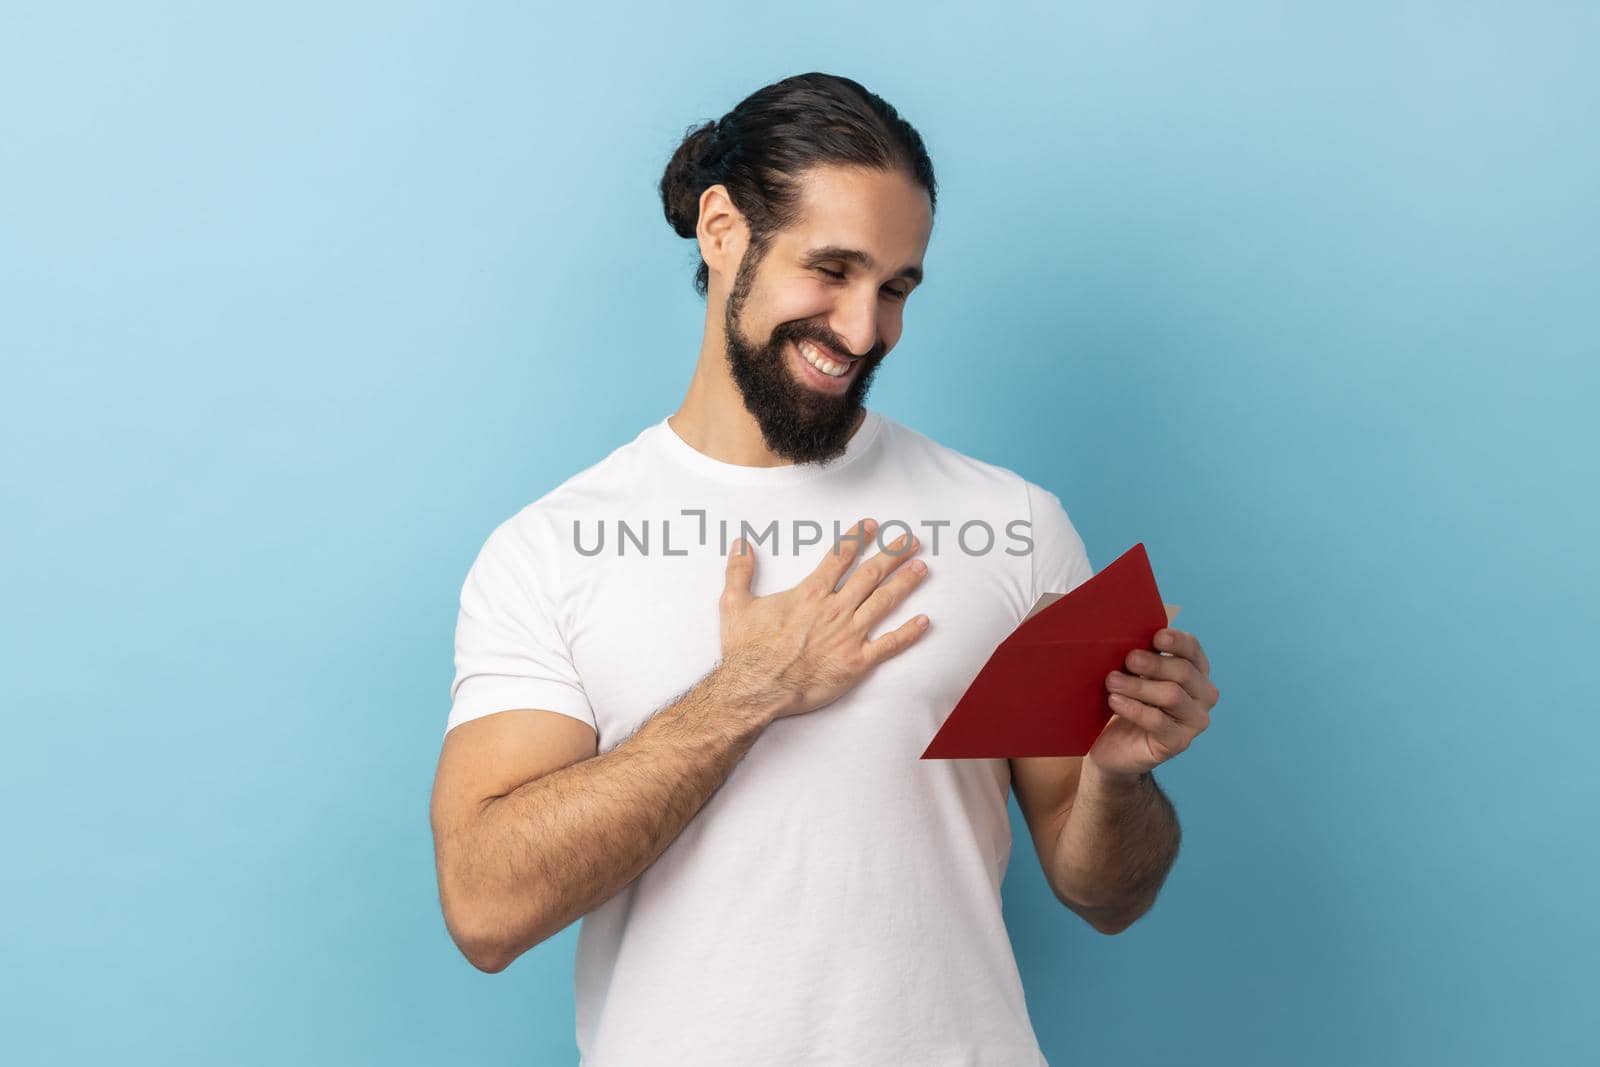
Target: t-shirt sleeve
<point>1060,560</point>
<point>509,651</point>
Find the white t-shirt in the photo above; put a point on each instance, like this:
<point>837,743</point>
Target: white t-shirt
<point>837,900</point>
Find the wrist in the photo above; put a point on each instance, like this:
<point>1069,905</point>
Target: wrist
<point>1115,781</point>
<point>746,688</point>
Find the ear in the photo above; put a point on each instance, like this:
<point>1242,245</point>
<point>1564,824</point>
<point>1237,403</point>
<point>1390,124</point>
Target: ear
<point>721,231</point>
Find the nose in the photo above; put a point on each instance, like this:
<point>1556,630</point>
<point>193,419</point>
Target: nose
<point>856,324</point>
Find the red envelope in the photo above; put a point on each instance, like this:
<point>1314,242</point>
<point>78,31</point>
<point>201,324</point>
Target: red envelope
<point>1042,691</point>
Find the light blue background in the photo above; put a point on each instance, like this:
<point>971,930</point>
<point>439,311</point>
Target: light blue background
<point>300,300</point>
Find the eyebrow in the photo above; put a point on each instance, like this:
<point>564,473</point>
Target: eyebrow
<point>858,257</point>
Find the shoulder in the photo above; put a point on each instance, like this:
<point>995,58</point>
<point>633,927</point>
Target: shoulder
<point>1057,556</point>
<point>536,535</point>
<point>619,476</point>
<point>911,446</point>
<point>969,474</point>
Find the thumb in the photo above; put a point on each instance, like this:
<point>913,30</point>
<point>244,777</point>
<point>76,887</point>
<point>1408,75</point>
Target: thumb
<point>741,566</point>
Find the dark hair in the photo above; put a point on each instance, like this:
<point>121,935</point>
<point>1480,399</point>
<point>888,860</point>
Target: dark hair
<point>759,148</point>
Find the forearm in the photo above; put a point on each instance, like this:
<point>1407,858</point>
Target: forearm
<point>1116,846</point>
<point>562,844</point>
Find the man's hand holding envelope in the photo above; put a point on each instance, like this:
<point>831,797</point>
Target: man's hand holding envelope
<point>1161,704</point>
<point>1096,672</point>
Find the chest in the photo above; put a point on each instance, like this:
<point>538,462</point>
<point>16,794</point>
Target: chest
<point>645,628</point>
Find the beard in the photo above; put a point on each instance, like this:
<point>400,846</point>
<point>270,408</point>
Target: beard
<point>798,422</point>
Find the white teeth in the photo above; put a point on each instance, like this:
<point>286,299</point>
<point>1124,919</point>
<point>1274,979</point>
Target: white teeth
<point>831,368</point>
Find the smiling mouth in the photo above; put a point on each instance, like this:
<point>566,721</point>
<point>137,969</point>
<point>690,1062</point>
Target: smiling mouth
<point>823,362</point>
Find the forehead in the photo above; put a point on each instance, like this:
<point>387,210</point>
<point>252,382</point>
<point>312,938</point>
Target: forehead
<point>886,215</point>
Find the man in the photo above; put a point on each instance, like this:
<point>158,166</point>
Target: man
<point>705,744</point>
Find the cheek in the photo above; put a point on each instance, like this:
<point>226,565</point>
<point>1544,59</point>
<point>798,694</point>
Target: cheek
<point>796,303</point>
<point>891,327</point>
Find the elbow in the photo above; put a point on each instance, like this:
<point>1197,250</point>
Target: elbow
<point>483,939</point>
<point>489,928</point>
<point>487,958</point>
<point>1113,927</point>
<point>476,936</point>
<point>481,948</point>
<point>1108,919</point>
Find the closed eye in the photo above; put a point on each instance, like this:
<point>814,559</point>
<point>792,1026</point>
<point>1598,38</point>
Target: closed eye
<point>897,294</point>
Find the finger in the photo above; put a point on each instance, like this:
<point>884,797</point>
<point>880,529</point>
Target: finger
<point>837,559</point>
<point>741,566</point>
<point>1174,669</point>
<point>1184,644</point>
<point>871,573</point>
<point>1173,699</point>
<point>888,595</point>
<point>1161,727</point>
<point>895,641</point>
